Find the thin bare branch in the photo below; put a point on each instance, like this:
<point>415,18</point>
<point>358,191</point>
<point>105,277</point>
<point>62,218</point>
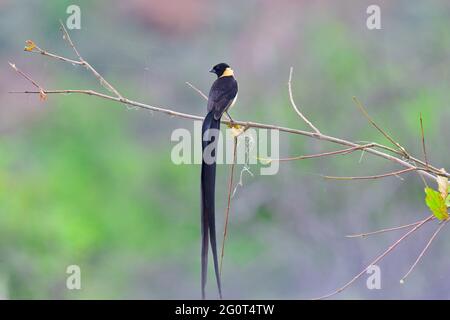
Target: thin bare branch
<point>417,161</point>
<point>395,173</point>
<point>23,74</point>
<point>324,154</point>
<point>291,97</point>
<point>66,37</point>
<point>423,141</point>
<point>383,147</point>
<point>41,91</point>
<point>36,49</point>
<point>100,78</point>
<point>102,81</point>
<point>123,100</point>
<point>198,90</point>
<point>363,235</point>
<point>384,133</point>
<point>400,153</point>
<point>378,259</point>
<point>402,280</point>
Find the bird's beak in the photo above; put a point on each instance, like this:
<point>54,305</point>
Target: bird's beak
<point>212,71</point>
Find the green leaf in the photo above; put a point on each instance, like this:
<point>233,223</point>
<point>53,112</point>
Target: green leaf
<point>436,204</point>
<point>447,201</point>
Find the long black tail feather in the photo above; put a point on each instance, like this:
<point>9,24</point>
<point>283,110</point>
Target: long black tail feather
<point>208,182</point>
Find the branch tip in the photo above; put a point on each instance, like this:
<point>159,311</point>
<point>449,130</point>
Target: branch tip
<point>294,106</point>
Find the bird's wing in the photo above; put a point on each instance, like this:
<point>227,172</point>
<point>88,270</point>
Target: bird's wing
<point>221,95</point>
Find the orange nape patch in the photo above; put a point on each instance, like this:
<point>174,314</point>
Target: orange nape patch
<point>227,73</point>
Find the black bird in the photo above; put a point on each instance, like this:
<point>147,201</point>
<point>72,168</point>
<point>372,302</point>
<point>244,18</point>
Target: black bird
<point>222,96</point>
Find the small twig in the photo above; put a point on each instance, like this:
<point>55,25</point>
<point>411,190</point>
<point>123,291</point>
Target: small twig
<point>424,151</point>
<point>36,49</point>
<point>395,173</point>
<point>41,92</point>
<point>387,148</point>
<point>100,78</point>
<point>23,74</point>
<point>431,168</point>
<point>227,212</point>
<point>423,141</point>
<point>379,258</point>
<point>402,280</point>
<point>198,90</point>
<point>66,37</point>
<point>291,97</point>
<point>384,133</point>
<point>324,154</point>
<point>363,235</point>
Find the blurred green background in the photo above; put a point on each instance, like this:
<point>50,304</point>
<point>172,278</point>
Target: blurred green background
<point>89,182</point>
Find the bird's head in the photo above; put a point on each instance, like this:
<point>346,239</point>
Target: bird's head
<point>222,70</point>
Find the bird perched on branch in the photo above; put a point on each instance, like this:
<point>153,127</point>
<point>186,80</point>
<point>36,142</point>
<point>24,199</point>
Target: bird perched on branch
<point>222,97</point>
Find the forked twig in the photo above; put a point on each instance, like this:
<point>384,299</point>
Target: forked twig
<point>363,235</point>
<point>41,91</point>
<point>83,62</point>
<point>384,133</point>
<point>395,173</point>
<point>324,154</point>
<point>198,90</point>
<point>402,280</point>
<point>378,259</point>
